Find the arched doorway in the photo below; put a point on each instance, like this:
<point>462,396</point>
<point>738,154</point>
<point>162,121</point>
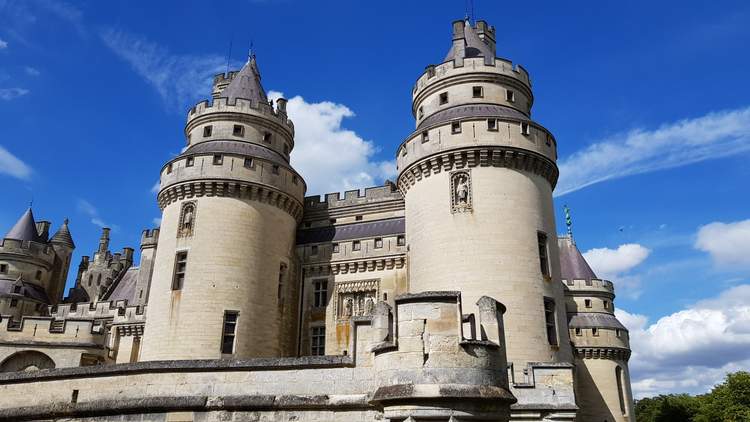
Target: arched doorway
<point>28,360</point>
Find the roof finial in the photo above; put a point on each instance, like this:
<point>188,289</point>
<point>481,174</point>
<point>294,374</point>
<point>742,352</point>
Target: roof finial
<point>568,222</point>
<point>251,52</point>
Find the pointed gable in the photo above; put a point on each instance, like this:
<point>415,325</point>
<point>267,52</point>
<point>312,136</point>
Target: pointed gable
<point>573,265</point>
<point>24,229</point>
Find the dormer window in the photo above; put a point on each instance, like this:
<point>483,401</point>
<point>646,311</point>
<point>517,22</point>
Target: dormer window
<point>455,127</point>
<point>248,163</point>
<point>477,92</point>
<point>425,136</point>
<point>492,125</point>
<point>207,131</point>
<point>218,160</point>
<point>510,96</point>
<point>443,98</point>
<point>238,130</point>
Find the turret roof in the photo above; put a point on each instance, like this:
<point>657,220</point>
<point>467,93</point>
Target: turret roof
<point>573,265</point>
<point>25,228</point>
<point>246,84</point>
<point>473,45</point>
<point>63,236</point>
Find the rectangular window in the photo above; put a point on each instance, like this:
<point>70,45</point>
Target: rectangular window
<point>587,303</point>
<point>492,125</point>
<point>356,245</point>
<point>421,112</point>
<point>525,129</point>
<point>295,180</point>
<point>578,332</point>
<point>16,289</point>
<point>444,98</point>
<point>39,274</point>
<point>3,268</point>
<point>606,304</point>
<point>189,162</point>
<point>335,248</point>
<point>218,159</point>
<point>401,240</point>
<point>357,218</point>
<point>13,303</point>
<point>180,267</point>
<point>332,221</point>
<point>320,293</point>
<point>248,163</point>
<point>618,333</point>
<point>378,242</point>
<point>318,341</point>
<point>314,250</point>
<point>595,332</point>
<point>425,136</point>
<point>510,96</point>
<point>238,130</point>
<point>456,127</point>
<point>543,256</point>
<point>230,329</point>
<point>286,149</point>
<point>267,137</point>
<point>549,319</point>
<point>275,169</point>
<point>207,131</point>
<point>169,168</point>
<point>477,92</point>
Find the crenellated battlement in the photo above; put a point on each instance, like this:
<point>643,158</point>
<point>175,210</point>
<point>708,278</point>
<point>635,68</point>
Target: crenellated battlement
<point>476,66</point>
<point>36,250</point>
<point>118,310</point>
<point>593,285</point>
<point>149,238</point>
<point>388,192</point>
<point>240,105</point>
<point>45,329</point>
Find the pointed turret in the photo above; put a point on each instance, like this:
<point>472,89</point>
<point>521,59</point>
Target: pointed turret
<point>469,41</point>
<point>246,84</point>
<point>25,228</point>
<point>63,237</point>
<point>573,266</point>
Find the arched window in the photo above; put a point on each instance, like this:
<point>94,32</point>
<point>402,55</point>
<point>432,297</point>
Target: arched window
<point>620,389</point>
<point>99,280</point>
<point>28,360</point>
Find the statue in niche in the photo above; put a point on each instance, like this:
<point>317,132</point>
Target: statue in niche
<point>461,191</point>
<point>348,304</point>
<point>188,220</point>
<point>369,305</point>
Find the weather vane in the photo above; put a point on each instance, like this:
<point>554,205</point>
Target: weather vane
<point>568,221</point>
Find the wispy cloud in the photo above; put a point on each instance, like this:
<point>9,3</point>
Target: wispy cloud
<point>688,141</point>
<point>89,209</point>
<point>13,166</point>
<point>64,11</point>
<point>8,94</point>
<point>180,80</point>
<point>319,131</point>
<point>31,71</point>
<point>3,44</point>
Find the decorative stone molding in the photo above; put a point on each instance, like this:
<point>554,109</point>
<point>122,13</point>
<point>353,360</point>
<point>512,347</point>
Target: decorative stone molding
<point>611,353</point>
<point>187,219</point>
<point>235,189</point>
<point>461,192</point>
<point>355,298</point>
<point>360,266</point>
<point>130,330</point>
<point>480,156</point>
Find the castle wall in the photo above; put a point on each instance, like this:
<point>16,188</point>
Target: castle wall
<point>598,393</point>
<point>234,258</point>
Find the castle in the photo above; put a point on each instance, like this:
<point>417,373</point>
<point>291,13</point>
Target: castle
<point>445,296</point>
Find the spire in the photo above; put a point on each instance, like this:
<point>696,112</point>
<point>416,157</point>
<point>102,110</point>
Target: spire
<point>573,265</point>
<point>246,84</point>
<point>25,228</point>
<point>63,236</point>
<point>470,41</point>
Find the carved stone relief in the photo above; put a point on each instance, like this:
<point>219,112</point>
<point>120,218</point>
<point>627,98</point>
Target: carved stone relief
<point>461,195</point>
<point>187,219</point>
<point>355,298</point>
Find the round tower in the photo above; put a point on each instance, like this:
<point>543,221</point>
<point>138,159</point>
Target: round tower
<point>477,175</point>
<point>223,271</point>
<point>601,344</point>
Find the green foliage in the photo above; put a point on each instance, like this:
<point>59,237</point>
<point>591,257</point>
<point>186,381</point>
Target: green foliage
<point>727,402</point>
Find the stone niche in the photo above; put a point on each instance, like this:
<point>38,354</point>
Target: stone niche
<point>355,298</point>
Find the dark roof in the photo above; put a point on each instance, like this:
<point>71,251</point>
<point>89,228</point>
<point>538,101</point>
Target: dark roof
<point>473,110</point>
<point>125,287</point>
<point>225,146</point>
<point>394,226</point>
<point>25,228</point>
<point>572,264</point>
<point>77,294</point>
<point>473,46</point>
<point>63,236</point>
<point>28,290</point>
<point>246,84</point>
<point>594,320</point>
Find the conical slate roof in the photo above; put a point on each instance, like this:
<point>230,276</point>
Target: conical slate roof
<point>246,84</point>
<point>63,236</point>
<point>473,46</point>
<point>25,228</point>
<point>573,265</point>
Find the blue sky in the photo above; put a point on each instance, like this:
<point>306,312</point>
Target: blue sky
<point>649,102</point>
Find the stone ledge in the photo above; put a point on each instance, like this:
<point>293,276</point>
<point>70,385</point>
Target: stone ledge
<point>431,296</point>
<point>444,391</point>
<point>257,364</point>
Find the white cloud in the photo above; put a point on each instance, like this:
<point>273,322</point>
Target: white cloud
<point>690,350</point>
<point>180,80</point>
<point>727,243</point>
<point>8,94</point>
<point>639,151</point>
<point>330,157</point>
<point>611,262</point>
<point>89,209</point>
<point>13,166</point>
<point>3,44</point>
<point>156,221</point>
<point>31,71</point>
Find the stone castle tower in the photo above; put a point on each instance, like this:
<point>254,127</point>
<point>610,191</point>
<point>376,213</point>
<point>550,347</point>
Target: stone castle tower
<point>231,204</point>
<point>477,176</point>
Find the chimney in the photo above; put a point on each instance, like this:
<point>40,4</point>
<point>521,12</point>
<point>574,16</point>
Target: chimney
<point>42,229</point>
<point>104,241</point>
